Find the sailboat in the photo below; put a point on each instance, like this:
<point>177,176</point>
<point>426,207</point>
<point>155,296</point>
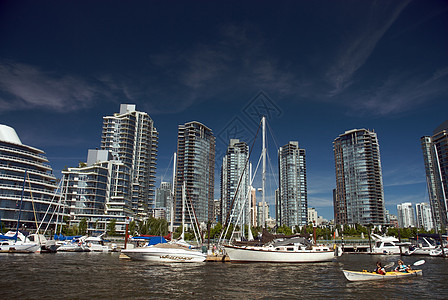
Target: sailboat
<point>17,241</point>
<point>286,250</point>
<point>174,251</point>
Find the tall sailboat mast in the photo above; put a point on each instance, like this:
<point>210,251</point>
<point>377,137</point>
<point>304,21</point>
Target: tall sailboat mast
<point>173,199</point>
<point>263,186</point>
<point>183,211</point>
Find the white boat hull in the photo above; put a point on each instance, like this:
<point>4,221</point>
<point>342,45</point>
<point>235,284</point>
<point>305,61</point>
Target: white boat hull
<point>164,254</point>
<point>364,276</point>
<point>264,254</point>
<point>72,248</point>
<point>20,248</point>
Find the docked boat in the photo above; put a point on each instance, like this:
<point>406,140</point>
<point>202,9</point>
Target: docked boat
<point>73,244</point>
<point>165,252</point>
<point>422,245</point>
<point>17,242</point>
<point>364,275</point>
<point>96,244</point>
<point>294,250</point>
<point>46,246</point>
<point>388,245</point>
<point>439,252</point>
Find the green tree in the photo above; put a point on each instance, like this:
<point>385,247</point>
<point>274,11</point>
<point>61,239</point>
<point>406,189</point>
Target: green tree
<point>215,231</point>
<point>284,230</point>
<point>82,227</point>
<point>132,227</point>
<point>157,226</point>
<point>111,227</point>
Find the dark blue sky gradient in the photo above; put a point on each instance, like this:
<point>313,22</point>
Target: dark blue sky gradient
<point>324,66</point>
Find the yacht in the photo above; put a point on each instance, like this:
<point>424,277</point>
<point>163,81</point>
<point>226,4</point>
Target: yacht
<point>388,245</point>
<point>96,244</point>
<point>175,251</point>
<point>422,245</point>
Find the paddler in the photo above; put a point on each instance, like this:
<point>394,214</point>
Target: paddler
<point>402,267</point>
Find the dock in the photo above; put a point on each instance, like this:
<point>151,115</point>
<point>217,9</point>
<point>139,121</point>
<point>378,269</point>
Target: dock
<point>217,258</point>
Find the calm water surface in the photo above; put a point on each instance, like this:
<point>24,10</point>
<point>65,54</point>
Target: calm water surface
<point>105,276</point>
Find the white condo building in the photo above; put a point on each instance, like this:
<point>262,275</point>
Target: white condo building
<point>131,138</point>
<point>25,169</point>
<point>405,215</point>
<point>99,191</point>
<point>312,215</point>
<point>424,216</point>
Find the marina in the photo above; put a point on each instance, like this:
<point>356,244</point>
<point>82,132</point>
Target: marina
<point>105,276</point>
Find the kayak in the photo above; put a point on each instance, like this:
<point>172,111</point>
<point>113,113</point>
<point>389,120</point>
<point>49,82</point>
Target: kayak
<point>361,276</point>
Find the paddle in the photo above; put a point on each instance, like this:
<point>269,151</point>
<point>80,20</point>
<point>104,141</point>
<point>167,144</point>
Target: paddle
<point>419,262</point>
<point>389,265</point>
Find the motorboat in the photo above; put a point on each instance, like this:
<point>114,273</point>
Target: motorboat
<point>365,275</point>
<point>422,245</point>
<point>96,244</point>
<point>293,250</point>
<point>17,242</point>
<point>388,245</point>
<point>73,244</point>
<point>175,251</point>
<point>439,252</point>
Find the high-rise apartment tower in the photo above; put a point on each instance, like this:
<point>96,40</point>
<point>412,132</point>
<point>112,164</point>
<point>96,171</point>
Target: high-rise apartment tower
<point>435,155</point>
<point>195,167</point>
<point>131,137</point>
<point>358,197</point>
<point>292,196</point>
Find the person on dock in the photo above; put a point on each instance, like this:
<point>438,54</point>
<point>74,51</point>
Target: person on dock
<point>379,269</point>
<point>402,267</point>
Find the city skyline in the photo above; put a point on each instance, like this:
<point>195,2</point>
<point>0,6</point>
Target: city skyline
<point>320,69</point>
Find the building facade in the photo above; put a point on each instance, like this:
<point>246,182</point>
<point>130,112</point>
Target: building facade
<point>358,197</point>
<point>262,214</point>
<point>195,167</point>
<point>25,169</point>
<point>163,195</point>
<point>435,155</point>
<point>424,216</point>
<point>235,184</point>
<point>99,192</point>
<point>131,137</point>
<point>292,196</point>
<point>312,215</point>
<point>406,215</point>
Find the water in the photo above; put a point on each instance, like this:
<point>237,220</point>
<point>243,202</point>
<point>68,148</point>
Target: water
<point>105,276</point>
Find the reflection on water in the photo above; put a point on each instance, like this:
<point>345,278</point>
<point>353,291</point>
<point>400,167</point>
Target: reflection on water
<point>101,275</point>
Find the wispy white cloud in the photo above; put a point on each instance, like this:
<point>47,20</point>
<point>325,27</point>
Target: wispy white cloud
<point>361,41</point>
<point>403,92</point>
<point>25,86</point>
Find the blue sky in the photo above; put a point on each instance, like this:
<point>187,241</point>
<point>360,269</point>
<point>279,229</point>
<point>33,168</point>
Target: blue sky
<point>317,68</point>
